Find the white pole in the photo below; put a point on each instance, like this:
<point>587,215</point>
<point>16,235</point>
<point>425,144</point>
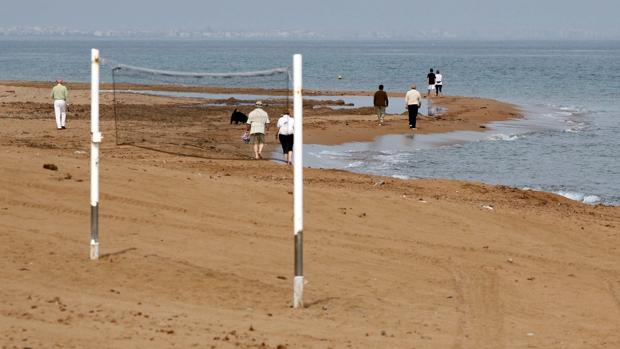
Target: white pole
<point>94,155</point>
<point>298,204</point>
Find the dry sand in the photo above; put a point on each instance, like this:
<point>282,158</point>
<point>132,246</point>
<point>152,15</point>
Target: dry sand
<point>199,253</point>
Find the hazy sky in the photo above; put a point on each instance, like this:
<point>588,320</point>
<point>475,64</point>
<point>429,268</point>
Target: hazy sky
<point>338,17</point>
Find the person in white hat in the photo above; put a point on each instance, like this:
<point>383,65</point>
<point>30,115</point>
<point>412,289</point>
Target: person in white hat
<point>60,95</point>
<point>413,101</point>
<point>258,125</point>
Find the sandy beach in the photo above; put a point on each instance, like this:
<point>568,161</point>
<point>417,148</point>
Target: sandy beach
<point>199,252</point>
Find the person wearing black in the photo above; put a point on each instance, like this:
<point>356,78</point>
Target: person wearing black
<point>286,134</point>
<point>431,82</point>
<point>413,100</point>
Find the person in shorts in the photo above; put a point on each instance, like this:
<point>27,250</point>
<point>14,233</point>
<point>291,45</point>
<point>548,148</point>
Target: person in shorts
<point>286,131</point>
<point>258,125</point>
<point>431,82</point>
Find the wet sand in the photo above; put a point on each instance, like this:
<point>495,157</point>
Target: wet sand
<point>321,126</point>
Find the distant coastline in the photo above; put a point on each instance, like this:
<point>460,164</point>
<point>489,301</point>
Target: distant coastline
<point>53,32</point>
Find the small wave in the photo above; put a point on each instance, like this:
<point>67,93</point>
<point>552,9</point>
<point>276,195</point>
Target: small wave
<point>395,158</point>
<point>572,109</point>
<point>503,137</point>
<point>586,199</point>
<point>330,154</point>
<point>401,177</point>
<point>591,199</point>
<point>575,126</point>
<point>563,113</point>
<point>355,164</point>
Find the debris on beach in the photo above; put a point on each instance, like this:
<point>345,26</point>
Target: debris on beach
<point>488,207</point>
<point>50,167</point>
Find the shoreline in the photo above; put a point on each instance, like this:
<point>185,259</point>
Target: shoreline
<point>322,126</point>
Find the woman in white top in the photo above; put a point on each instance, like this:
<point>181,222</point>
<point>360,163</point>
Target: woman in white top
<point>438,83</point>
<point>286,129</point>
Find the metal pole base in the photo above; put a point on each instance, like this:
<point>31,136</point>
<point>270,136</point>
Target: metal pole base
<point>94,250</point>
<point>298,292</point>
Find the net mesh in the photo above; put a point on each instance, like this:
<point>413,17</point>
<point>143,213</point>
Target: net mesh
<point>194,114</point>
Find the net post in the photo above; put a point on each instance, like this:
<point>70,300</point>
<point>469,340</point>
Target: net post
<point>94,155</point>
<point>298,283</point>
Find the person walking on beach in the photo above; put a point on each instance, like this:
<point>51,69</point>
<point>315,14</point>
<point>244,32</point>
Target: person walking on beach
<point>413,100</point>
<point>380,102</point>
<point>258,124</point>
<point>286,131</point>
<point>60,95</point>
<point>431,82</point>
<point>438,83</point>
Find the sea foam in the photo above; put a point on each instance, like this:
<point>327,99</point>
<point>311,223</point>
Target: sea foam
<point>586,199</point>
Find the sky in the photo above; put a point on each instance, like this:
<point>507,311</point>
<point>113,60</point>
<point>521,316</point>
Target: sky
<point>338,18</point>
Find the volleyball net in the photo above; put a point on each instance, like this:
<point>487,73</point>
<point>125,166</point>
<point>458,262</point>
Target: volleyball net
<point>199,114</point>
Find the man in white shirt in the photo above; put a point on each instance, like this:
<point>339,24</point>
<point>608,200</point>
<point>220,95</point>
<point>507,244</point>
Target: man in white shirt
<point>413,100</point>
<point>438,83</point>
<point>286,131</point>
<point>258,125</point>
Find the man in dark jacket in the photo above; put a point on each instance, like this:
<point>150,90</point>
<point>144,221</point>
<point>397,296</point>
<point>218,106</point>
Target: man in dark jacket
<point>380,102</point>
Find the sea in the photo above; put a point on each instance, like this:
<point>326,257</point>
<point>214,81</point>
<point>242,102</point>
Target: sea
<point>567,143</point>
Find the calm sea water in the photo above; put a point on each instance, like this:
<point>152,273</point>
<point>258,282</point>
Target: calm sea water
<point>568,143</point>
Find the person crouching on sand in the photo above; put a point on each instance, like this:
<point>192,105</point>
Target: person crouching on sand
<point>258,125</point>
<point>60,95</point>
<point>413,100</point>
<point>286,130</point>
<point>380,102</point>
